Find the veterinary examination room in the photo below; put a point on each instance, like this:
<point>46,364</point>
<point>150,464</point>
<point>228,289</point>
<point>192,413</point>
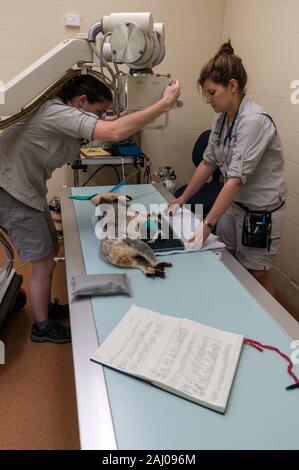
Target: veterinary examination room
<point>149,227</point>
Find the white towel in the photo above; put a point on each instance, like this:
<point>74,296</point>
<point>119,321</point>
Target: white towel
<point>184,223</point>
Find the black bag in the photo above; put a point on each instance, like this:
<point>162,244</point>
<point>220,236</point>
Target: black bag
<point>257,227</point>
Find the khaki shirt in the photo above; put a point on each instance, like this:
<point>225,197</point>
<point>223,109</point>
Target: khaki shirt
<point>253,153</point>
<point>33,148</point>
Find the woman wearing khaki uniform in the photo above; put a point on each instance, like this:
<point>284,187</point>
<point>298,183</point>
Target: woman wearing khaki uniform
<point>245,145</point>
<point>30,151</point>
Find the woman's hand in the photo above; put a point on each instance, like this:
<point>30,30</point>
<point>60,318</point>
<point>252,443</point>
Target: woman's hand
<point>171,94</point>
<point>175,205</point>
<point>198,237</point>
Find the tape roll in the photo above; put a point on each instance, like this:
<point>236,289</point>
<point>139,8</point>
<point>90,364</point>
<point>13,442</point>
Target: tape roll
<point>218,255</point>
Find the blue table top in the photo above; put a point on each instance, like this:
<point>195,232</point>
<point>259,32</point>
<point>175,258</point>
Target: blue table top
<point>260,414</point>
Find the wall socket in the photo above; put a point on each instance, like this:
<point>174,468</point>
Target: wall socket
<point>73,20</point>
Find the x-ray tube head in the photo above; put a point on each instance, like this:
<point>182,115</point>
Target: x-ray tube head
<point>134,40</point>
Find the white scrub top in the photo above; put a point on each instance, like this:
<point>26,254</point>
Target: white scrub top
<point>253,152</point>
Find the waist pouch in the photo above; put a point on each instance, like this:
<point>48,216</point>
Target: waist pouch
<point>257,227</point>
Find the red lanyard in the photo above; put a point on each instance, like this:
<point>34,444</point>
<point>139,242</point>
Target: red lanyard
<point>260,347</point>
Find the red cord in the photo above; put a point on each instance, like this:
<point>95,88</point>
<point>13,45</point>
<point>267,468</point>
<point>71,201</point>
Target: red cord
<point>260,347</point>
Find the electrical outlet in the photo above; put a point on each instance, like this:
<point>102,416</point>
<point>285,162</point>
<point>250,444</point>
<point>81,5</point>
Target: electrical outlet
<point>72,20</point>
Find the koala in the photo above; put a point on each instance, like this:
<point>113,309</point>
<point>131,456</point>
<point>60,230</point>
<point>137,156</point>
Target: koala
<point>128,252</point>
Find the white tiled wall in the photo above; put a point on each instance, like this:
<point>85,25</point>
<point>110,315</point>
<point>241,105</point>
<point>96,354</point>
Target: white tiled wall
<point>265,33</point>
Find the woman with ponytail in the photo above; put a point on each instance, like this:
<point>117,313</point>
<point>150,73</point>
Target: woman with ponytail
<point>245,145</point>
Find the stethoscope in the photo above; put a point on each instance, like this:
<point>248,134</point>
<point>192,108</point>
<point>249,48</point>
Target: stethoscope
<point>229,134</point>
<point>227,138</point>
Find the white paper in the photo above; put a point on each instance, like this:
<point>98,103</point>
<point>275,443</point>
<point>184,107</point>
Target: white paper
<point>200,363</point>
<point>136,341</point>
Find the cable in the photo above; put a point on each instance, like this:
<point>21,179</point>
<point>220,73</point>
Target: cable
<point>115,169</point>
<point>93,174</point>
<point>50,92</point>
<point>6,269</point>
<point>123,169</point>
<point>22,265</point>
<point>147,172</point>
<point>40,100</point>
<point>108,81</point>
<point>260,347</point>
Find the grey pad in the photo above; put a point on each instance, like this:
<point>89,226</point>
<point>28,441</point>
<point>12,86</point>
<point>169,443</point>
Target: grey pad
<point>100,284</point>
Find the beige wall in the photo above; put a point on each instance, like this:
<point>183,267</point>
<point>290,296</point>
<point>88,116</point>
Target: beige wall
<point>265,33</point>
<point>30,28</point>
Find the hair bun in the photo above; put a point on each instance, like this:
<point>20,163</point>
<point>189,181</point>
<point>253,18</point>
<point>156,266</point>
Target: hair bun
<point>226,48</point>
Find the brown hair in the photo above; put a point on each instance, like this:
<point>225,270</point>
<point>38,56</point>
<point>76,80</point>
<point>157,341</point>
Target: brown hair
<point>87,85</point>
<point>223,67</point>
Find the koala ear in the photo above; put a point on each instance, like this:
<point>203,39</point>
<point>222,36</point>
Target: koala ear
<point>96,199</point>
<point>106,198</point>
<point>102,198</point>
